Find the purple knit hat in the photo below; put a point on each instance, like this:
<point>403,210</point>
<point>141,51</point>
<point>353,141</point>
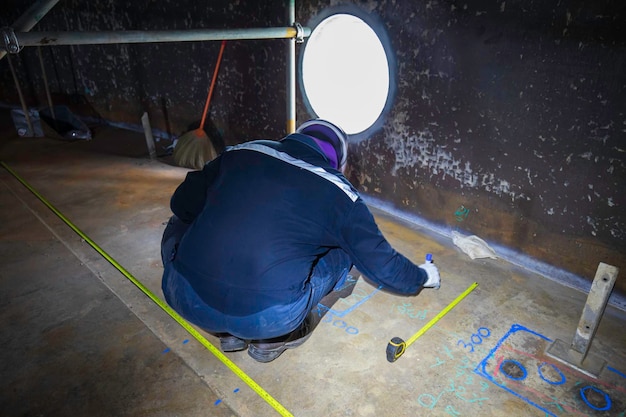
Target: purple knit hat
<point>331,139</point>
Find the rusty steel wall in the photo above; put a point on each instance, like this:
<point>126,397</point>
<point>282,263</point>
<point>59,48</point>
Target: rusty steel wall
<point>508,120</point>
<point>508,123</point>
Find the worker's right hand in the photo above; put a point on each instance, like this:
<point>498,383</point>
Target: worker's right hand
<point>434,280</point>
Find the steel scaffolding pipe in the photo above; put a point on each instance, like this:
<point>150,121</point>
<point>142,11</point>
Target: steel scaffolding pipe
<point>24,39</point>
<point>31,17</point>
<point>291,71</point>
<point>25,23</point>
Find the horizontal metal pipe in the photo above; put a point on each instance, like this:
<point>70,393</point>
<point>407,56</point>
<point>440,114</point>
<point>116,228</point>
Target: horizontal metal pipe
<point>137,36</point>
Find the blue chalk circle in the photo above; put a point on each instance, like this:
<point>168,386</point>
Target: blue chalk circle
<point>517,365</point>
<point>185,341</point>
<point>484,332</point>
<point>431,400</point>
<point>607,399</point>
<point>217,402</point>
<point>236,390</point>
<point>340,323</point>
<point>352,330</point>
<point>560,382</point>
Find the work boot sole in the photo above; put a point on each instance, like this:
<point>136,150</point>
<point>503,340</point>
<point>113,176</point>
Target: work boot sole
<point>232,344</point>
<point>271,351</point>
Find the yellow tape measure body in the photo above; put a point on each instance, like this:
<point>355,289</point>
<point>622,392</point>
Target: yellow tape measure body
<point>179,319</point>
<point>396,347</point>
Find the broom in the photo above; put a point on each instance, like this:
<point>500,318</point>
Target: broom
<point>194,148</point>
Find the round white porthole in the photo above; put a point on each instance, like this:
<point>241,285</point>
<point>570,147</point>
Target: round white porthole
<point>346,71</point>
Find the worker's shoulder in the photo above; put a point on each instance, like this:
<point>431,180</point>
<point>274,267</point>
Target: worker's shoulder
<point>254,144</point>
<point>306,161</point>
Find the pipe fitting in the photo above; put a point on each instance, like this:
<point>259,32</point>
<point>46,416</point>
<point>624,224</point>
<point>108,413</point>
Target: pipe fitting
<point>299,32</point>
<point>10,42</point>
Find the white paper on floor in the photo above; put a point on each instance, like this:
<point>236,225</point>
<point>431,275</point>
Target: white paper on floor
<point>473,246</point>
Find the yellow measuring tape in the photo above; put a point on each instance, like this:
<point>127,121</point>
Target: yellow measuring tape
<point>215,351</point>
<point>397,346</point>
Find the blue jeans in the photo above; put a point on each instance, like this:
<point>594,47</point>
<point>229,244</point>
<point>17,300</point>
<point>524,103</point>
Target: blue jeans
<point>329,273</point>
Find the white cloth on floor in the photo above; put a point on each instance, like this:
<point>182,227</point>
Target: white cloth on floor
<point>473,246</point>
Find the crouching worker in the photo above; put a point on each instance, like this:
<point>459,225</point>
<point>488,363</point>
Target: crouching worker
<point>264,231</point>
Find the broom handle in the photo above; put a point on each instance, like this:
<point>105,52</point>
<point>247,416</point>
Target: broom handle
<point>208,99</point>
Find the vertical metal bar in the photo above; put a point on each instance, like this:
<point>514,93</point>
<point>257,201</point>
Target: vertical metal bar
<point>147,130</point>
<point>31,131</point>
<point>45,82</point>
<point>291,72</point>
<point>597,300</point>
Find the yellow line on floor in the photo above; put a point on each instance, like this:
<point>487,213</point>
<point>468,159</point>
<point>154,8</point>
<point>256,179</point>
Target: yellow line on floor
<point>215,351</point>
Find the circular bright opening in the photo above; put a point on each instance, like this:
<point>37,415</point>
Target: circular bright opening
<point>345,73</point>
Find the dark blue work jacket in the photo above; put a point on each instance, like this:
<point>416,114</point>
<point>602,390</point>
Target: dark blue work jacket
<point>262,213</point>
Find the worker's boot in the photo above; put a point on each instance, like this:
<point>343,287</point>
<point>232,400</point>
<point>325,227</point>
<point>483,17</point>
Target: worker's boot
<point>269,349</point>
<point>230,343</point>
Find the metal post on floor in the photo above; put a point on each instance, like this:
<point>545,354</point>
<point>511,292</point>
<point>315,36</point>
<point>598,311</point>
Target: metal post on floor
<point>576,354</point>
<point>147,129</point>
<point>45,83</point>
<point>29,122</point>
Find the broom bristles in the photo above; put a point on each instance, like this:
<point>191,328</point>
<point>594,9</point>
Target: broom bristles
<point>194,149</point>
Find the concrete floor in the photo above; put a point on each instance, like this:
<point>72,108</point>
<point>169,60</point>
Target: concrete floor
<point>78,338</point>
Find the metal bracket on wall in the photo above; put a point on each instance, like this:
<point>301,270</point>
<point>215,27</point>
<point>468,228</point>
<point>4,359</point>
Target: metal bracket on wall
<point>577,354</point>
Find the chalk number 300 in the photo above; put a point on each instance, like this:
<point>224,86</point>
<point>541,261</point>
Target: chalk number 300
<point>475,339</point>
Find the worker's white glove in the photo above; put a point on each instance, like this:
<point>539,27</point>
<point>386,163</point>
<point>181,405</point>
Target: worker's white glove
<point>434,280</point>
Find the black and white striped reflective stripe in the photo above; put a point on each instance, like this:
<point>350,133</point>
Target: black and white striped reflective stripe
<point>266,150</point>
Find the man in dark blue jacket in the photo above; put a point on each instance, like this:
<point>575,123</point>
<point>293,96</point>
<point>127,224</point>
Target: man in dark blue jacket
<point>264,231</point>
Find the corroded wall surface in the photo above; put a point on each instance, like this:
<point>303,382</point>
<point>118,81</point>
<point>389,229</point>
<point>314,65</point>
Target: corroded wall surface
<point>508,121</point>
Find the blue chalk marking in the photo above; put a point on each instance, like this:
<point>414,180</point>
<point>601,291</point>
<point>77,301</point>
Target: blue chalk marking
<point>342,324</point>
<point>329,318</point>
<point>352,330</point>
<point>450,410</point>
<point>476,338</point>
<point>236,390</point>
<point>486,329</point>
<point>481,367</point>
<point>341,314</point>
<point>433,399</point>
<point>519,365</point>
<point>461,213</point>
<point>616,371</point>
<point>607,399</point>
<point>166,350</point>
<point>185,341</point>
<point>217,402</point>
<point>563,379</point>
<point>345,283</point>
